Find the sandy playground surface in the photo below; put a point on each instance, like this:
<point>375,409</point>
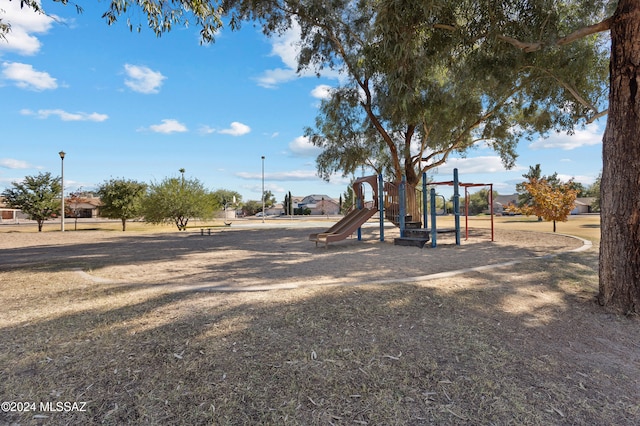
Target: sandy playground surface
<point>233,259</point>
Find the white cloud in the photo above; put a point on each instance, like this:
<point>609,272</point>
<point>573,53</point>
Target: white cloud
<point>302,147</point>
<point>323,91</point>
<point>585,180</point>
<point>25,77</point>
<point>10,163</point>
<point>281,176</point>
<point>142,79</point>
<point>66,116</point>
<point>24,24</point>
<point>271,78</point>
<point>236,129</point>
<point>168,126</point>
<point>483,164</point>
<point>206,130</point>
<point>287,48</point>
<point>589,136</point>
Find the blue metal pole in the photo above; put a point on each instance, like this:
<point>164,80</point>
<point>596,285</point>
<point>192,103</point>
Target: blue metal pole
<point>381,205</point>
<point>456,205</point>
<point>402,201</point>
<point>434,232</point>
<point>425,215</point>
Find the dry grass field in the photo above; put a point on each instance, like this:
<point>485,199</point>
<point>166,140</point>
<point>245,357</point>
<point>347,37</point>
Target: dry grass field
<point>255,325</point>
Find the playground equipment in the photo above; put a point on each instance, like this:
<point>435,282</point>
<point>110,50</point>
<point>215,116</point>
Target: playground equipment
<point>398,203</point>
<point>357,217</point>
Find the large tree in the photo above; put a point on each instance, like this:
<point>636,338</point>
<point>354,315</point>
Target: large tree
<point>427,79</point>
<point>121,199</point>
<point>177,200</point>
<point>37,196</point>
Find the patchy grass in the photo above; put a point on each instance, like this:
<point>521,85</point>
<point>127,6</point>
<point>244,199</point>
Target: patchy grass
<point>519,345</point>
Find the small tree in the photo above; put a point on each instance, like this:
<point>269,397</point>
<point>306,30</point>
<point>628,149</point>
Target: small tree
<point>349,200</point>
<point>551,202</point>
<point>72,205</point>
<point>525,198</point>
<point>252,207</point>
<point>269,199</point>
<point>479,201</point>
<point>594,191</point>
<point>121,199</point>
<point>37,196</point>
<point>178,200</point>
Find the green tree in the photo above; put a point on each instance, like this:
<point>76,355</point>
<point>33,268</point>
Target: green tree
<point>177,200</point>
<point>252,207</point>
<point>479,201</point>
<point>121,199</point>
<point>427,81</point>
<point>37,196</point>
<point>348,200</point>
<point>226,197</point>
<point>594,191</point>
<point>269,200</point>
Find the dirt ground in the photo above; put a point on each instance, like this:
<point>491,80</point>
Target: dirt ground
<point>259,259</point>
<point>260,326</point>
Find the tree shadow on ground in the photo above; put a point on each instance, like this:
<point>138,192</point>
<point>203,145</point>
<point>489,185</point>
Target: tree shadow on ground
<point>524,344</point>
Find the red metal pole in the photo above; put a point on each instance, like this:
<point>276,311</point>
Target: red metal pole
<point>491,204</point>
<point>466,214</point>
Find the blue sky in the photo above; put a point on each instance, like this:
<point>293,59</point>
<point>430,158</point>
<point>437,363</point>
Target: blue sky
<point>131,105</point>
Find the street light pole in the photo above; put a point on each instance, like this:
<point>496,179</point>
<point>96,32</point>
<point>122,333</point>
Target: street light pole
<point>263,189</point>
<point>61,153</point>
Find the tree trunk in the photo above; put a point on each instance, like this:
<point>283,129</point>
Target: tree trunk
<point>124,224</point>
<point>620,186</point>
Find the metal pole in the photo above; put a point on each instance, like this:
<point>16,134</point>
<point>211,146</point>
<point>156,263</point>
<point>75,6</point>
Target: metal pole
<point>425,215</point>
<point>62,154</point>
<point>491,203</point>
<point>466,214</point>
<point>263,189</point>
<point>434,231</point>
<point>381,205</point>
<point>403,206</point>
<point>456,205</point>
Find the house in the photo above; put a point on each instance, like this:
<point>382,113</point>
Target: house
<point>320,204</point>
<point>583,205</point>
<point>84,205</point>
<point>9,215</point>
<point>500,203</point>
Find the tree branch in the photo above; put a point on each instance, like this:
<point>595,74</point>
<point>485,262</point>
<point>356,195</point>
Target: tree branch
<point>529,47</point>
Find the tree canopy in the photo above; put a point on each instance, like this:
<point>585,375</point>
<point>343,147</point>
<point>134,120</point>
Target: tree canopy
<point>121,199</point>
<point>37,196</point>
<point>549,201</point>
<point>177,200</point>
<point>424,80</point>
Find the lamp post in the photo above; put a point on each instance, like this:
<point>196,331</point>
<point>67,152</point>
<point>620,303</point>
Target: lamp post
<point>263,189</point>
<point>61,153</point>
